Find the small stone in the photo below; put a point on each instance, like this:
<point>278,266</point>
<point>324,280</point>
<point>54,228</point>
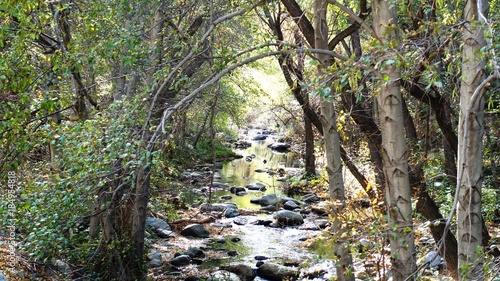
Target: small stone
<point>290,205</point>
<point>181,260</point>
<point>194,252</point>
<point>256,186</point>
<point>288,218</point>
<point>195,230</point>
<point>226,197</point>
<point>261,258</point>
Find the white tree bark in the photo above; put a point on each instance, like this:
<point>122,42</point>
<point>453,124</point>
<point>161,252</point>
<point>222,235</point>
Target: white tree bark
<point>470,132</point>
<point>394,151</point>
<point>332,149</point>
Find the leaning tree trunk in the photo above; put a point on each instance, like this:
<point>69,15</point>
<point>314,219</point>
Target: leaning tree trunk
<point>470,133</point>
<point>394,151</point>
<point>332,150</point>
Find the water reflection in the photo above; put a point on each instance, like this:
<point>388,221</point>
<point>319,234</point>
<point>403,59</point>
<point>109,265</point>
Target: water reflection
<point>241,172</point>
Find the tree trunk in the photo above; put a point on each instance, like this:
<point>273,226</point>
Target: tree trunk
<point>470,133</point>
<point>394,152</point>
<point>310,160</point>
<point>332,150</point>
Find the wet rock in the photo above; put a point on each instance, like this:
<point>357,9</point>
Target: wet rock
<point>231,213</point>
<point>260,137</point>
<point>226,197</point>
<point>276,272</point>
<point>279,146</point>
<point>242,144</point>
<point>310,198</point>
<point>261,258</point>
<point>155,259</point>
<point>232,253</point>
<point>256,186</point>
<point>159,227</point>
<point>219,207</point>
<point>261,170</point>
<point>269,199</point>
<point>237,189</point>
<point>223,275</point>
<point>192,278</point>
<point>195,230</point>
<point>290,205</point>
<point>180,260</point>
<point>288,218</point>
<point>194,252</point>
<point>235,239</point>
<point>244,272</point>
<point>241,193</point>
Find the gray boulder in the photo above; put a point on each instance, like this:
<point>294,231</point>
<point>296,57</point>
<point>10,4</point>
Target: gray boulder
<point>218,207</point>
<point>223,275</point>
<point>260,137</point>
<point>290,205</point>
<point>269,199</point>
<point>256,186</point>
<point>288,218</point>
<point>155,259</point>
<point>159,227</point>
<point>231,212</point>
<point>195,230</point>
<point>434,260</point>
<point>276,272</point>
<point>244,272</point>
<point>194,252</point>
<point>237,189</point>
<point>180,260</point>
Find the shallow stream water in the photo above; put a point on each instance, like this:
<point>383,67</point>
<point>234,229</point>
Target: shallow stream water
<point>278,244</point>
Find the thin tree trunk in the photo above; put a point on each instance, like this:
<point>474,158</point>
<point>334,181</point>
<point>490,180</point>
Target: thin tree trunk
<point>394,151</point>
<point>310,160</point>
<point>470,134</point>
<point>332,150</point>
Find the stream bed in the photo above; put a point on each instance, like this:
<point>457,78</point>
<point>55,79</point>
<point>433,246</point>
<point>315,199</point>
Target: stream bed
<point>253,235</point>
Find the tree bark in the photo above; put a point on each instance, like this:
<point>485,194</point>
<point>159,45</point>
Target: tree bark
<point>470,132</point>
<point>310,160</point>
<point>394,151</point>
<point>331,139</point>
